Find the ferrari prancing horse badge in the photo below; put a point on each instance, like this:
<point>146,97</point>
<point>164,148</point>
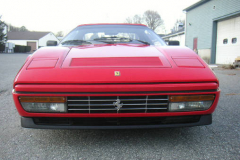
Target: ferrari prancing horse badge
<point>117,73</point>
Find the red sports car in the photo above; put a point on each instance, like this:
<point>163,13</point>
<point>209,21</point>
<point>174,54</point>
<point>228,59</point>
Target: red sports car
<point>114,76</point>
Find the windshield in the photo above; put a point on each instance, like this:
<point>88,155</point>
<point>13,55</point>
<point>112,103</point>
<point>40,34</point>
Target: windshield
<point>111,34</point>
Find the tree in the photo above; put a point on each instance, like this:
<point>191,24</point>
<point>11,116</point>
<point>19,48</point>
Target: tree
<point>137,19</point>
<point>152,19</point>
<point>59,34</point>
<point>23,29</point>
<point>129,20</point>
<point>12,28</point>
<point>3,36</point>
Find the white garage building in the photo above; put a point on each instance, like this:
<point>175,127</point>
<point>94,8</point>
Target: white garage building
<point>33,39</point>
<point>228,40</point>
<point>213,28</point>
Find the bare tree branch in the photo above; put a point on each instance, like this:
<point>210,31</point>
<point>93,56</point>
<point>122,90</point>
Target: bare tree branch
<point>12,28</point>
<point>128,20</point>
<point>152,19</point>
<point>59,34</point>
<point>137,19</point>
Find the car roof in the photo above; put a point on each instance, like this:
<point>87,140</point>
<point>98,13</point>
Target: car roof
<point>112,24</point>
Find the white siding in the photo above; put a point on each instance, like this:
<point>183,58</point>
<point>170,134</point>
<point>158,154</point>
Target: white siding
<point>48,37</point>
<point>228,29</point>
<point>180,38</point>
<point>201,20</point>
<point>22,42</point>
<point>205,54</point>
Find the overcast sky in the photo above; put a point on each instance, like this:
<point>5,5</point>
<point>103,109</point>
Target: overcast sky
<point>64,15</point>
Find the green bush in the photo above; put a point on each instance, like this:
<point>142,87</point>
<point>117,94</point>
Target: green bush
<point>28,48</point>
<point>22,49</point>
<point>16,48</point>
<point>2,47</point>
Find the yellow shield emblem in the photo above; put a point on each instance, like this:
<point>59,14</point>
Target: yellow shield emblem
<point>117,73</point>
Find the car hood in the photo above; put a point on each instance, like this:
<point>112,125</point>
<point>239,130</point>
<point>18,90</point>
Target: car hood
<point>114,63</point>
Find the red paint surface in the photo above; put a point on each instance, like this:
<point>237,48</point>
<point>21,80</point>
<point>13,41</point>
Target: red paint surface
<point>63,73</point>
<point>116,55</point>
<point>22,112</point>
<point>112,24</point>
<point>115,87</point>
<point>187,62</point>
<point>117,62</point>
<point>42,63</point>
<point>67,79</point>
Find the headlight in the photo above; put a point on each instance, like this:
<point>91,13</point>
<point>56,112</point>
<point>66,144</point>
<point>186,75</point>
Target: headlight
<point>190,103</point>
<point>43,104</point>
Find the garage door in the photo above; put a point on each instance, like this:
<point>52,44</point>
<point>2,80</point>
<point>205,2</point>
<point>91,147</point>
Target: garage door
<point>228,40</point>
<point>33,46</point>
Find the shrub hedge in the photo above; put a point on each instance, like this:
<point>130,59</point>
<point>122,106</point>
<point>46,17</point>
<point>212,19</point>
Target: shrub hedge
<point>22,49</point>
<point>2,47</point>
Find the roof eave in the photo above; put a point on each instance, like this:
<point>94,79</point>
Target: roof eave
<point>195,5</point>
<point>45,35</point>
<point>172,35</point>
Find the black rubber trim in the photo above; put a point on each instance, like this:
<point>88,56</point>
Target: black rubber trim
<point>90,93</point>
<point>29,123</point>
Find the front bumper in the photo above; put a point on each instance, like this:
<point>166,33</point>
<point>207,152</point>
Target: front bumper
<point>116,123</point>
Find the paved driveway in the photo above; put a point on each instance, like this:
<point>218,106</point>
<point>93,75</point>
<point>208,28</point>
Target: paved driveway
<point>221,140</point>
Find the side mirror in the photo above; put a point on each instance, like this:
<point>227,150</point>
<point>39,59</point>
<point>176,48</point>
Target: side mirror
<point>52,43</point>
<point>173,43</point>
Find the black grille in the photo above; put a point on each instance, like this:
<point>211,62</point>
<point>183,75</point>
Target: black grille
<point>117,104</point>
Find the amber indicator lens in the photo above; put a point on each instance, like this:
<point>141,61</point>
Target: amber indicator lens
<point>191,98</point>
<point>43,99</point>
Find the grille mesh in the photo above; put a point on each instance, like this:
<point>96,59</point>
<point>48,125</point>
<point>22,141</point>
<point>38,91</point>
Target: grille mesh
<point>117,104</point>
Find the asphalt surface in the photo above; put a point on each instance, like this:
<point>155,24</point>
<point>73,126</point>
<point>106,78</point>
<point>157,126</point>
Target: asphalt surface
<point>221,140</point>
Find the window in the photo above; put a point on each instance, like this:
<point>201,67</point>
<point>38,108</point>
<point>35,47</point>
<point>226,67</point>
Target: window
<point>51,43</point>
<point>225,41</point>
<point>234,40</point>
<point>102,34</point>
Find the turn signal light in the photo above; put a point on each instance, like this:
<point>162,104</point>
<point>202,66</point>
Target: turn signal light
<point>43,99</point>
<point>191,98</point>
<point>43,104</point>
<point>190,103</point>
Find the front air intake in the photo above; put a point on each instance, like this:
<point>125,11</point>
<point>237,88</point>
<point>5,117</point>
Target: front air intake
<point>117,104</point>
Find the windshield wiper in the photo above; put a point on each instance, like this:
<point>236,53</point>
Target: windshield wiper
<point>75,42</point>
<point>105,40</point>
<point>144,42</point>
<point>114,39</point>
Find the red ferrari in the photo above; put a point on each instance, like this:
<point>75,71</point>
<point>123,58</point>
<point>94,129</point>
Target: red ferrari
<point>114,76</point>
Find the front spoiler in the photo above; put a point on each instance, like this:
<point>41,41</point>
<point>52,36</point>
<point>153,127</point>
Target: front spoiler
<point>27,122</point>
